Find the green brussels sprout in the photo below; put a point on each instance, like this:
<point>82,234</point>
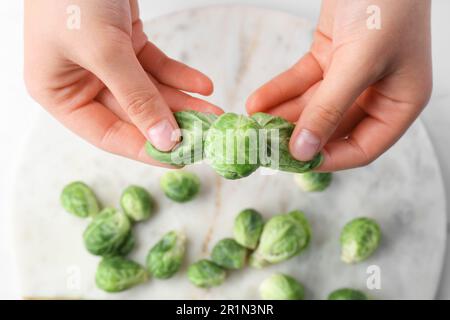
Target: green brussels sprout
<point>137,203</point>
<point>180,186</point>
<point>347,294</point>
<point>231,146</point>
<point>128,245</point>
<point>283,237</point>
<point>248,226</point>
<point>107,233</point>
<point>193,127</point>
<point>281,287</point>
<point>166,257</point>
<point>206,274</point>
<point>229,254</point>
<point>77,198</point>
<point>313,181</point>
<point>115,274</point>
<point>359,239</point>
<point>278,133</point>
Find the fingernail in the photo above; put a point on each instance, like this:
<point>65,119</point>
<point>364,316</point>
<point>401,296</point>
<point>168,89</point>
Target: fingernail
<point>306,146</point>
<point>163,136</point>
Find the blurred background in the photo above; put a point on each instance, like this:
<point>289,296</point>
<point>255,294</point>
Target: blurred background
<point>17,108</point>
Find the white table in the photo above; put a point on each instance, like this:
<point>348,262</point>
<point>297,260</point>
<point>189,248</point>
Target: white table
<point>17,112</point>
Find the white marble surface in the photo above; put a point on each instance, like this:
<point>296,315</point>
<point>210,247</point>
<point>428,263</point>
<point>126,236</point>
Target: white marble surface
<point>17,114</point>
<point>399,190</point>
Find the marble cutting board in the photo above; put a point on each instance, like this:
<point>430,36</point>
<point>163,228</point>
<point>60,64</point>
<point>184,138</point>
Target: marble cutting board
<point>240,48</point>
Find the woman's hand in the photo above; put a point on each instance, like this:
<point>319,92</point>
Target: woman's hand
<point>358,89</point>
<point>105,81</point>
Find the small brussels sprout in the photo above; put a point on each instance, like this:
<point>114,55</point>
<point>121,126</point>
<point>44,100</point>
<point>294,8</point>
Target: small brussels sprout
<point>231,146</point>
<point>166,257</point>
<point>283,237</point>
<point>77,198</point>
<point>359,239</point>
<point>347,294</point>
<point>107,233</point>
<point>180,186</point>
<point>248,226</point>
<point>115,274</point>
<point>281,287</point>
<point>206,274</point>
<point>278,133</point>
<point>313,181</point>
<point>229,254</point>
<point>193,126</point>
<point>137,203</point>
<point>128,245</point>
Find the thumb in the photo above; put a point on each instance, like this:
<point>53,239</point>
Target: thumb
<point>339,89</point>
<point>119,69</point>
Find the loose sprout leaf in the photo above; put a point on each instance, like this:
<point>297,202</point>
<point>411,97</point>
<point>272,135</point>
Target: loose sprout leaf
<point>359,239</point>
<point>229,254</point>
<point>137,203</point>
<point>281,287</point>
<point>166,257</point>
<point>206,274</point>
<point>107,233</point>
<point>116,274</point>
<point>347,294</point>
<point>180,186</point>
<point>283,237</point>
<point>77,198</point>
<point>313,181</point>
<point>248,226</point>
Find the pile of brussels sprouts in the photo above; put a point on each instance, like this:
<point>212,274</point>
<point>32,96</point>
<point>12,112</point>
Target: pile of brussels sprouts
<point>110,231</point>
<point>234,145</point>
<point>256,242</point>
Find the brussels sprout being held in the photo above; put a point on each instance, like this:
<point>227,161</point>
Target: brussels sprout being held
<point>248,226</point>
<point>107,233</point>
<point>313,181</point>
<point>180,186</point>
<point>206,274</point>
<point>137,203</point>
<point>278,133</point>
<point>359,239</point>
<point>283,237</point>
<point>193,127</point>
<point>347,294</point>
<point>166,257</point>
<point>229,254</point>
<point>281,287</point>
<point>116,274</point>
<point>77,198</point>
<point>231,146</point>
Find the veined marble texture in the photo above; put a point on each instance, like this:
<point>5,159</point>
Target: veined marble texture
<point>240,48</point>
